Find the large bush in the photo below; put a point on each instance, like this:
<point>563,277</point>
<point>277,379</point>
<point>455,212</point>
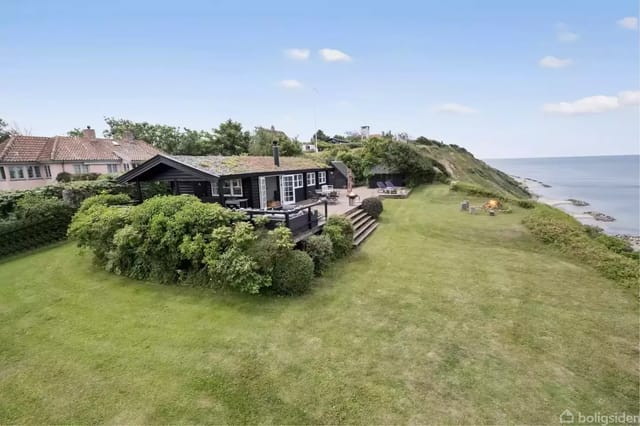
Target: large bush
<point>320,249</point>
<point>293,273</point>
<point>95,228</point>
<point>105,200</point>
<point>372,206</point>
<point>557,228</point>
<point>179,239</point>
<point>339,229</point>
<point>63,177</point>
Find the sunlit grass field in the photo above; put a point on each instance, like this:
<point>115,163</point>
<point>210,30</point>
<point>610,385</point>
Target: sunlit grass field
<point>440,317</point>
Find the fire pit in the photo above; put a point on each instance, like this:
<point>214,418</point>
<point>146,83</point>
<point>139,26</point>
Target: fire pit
<point>352,197</point>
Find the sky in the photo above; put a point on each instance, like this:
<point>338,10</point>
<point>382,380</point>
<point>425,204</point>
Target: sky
<point>505,79</point>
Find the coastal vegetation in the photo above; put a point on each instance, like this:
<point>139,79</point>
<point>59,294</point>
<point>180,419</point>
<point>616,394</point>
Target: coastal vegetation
<point>610,256</point>
<point>441,317</point>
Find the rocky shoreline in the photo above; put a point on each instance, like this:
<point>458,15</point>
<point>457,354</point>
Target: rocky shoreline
<point>531,184</point>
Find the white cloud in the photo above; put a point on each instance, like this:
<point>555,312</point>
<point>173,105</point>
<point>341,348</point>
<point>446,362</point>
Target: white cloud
<point>628,23</point>
<point>564,34</point>
<point>629,97</point>
<point>334,55</point>
<point>290,84</point>
<point>554,62</point>
<point>453,108</point>
<point>298,54</point>
<point>594,104</point>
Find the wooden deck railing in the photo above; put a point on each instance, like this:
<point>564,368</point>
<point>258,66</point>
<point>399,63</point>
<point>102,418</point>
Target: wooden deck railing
<point>299,219</point>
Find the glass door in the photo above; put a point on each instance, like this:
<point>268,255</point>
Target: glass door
<point>262,186</point>
<point>287,190</point>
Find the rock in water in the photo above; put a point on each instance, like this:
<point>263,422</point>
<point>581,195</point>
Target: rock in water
<point>601,217</point>
<point>578,203</point>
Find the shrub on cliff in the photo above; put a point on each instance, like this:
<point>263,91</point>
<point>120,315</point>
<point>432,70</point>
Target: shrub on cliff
<point>554,227</point>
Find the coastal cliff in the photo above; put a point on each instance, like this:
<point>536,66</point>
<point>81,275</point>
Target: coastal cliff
<point>463,166</point>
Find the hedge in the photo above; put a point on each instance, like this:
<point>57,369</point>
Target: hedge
<point>53,206</point>
<point>27,234</point>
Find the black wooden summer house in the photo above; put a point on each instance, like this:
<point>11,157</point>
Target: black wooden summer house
<point>284,188</point>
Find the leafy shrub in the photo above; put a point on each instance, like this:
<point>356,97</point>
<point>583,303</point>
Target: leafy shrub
<point>63,177</point>
<point>85,176</point>
<point>320,249</point>
<point>293,273</point>
<point>38,207</point>
<point>95,228</point>
<point>372,206</point>
<point>339,229</point>
<point>179,239</point>
<point>557,228</point>
<point>105,200</point>
<point>526,204</point>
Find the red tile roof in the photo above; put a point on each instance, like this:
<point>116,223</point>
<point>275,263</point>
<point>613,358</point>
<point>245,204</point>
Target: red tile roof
<point>68,148</point>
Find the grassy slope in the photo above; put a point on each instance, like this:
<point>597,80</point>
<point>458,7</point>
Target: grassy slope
<point>441,317</point>
<point>465,167</point>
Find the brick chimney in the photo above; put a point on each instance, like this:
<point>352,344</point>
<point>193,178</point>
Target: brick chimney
<point>88,133</point>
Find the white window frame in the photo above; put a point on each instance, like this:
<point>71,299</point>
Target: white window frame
<point>33,172</point>
<point>322,178</point>
<point>13,170</point>
<point>126,167</point>
<point>311,179</point>
<point>47,171</point>
<point>298,182</point>
<point>112,168</point>
<point>286,196</point>
<point>230,187</point>
<point>84,169</point>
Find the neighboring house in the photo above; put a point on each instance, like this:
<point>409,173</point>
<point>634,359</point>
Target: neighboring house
<point>31,161</point>
<point>337,141</point>
<point>309,147</point>
<point>383,173</point>
<point>257,182</point>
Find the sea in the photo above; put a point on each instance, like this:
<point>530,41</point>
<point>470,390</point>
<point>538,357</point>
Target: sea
<point>610,184</point>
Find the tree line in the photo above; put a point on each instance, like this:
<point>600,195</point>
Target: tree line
<point>229,138</point>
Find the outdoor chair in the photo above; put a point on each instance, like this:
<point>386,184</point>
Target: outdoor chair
<point>381,187</point>
<point>391,187</point>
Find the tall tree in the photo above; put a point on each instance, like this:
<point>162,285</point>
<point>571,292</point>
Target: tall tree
<point>230,139</point>
<point>4,130</point>
<point>262,142</point>
<point>75,132</point>
<point>320,136</point>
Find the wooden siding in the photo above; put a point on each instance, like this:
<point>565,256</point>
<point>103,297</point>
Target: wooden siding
<point>254,200</point>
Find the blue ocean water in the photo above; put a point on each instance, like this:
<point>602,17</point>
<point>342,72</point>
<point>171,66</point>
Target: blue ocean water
<point>610,184</point>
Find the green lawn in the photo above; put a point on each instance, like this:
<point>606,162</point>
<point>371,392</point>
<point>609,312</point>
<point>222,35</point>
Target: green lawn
<point>441,317</point>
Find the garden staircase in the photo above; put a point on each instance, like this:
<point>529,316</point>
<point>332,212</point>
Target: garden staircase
<point>363,225</point>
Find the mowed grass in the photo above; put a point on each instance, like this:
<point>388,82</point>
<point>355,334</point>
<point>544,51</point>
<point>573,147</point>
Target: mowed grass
<point>441,317</point>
